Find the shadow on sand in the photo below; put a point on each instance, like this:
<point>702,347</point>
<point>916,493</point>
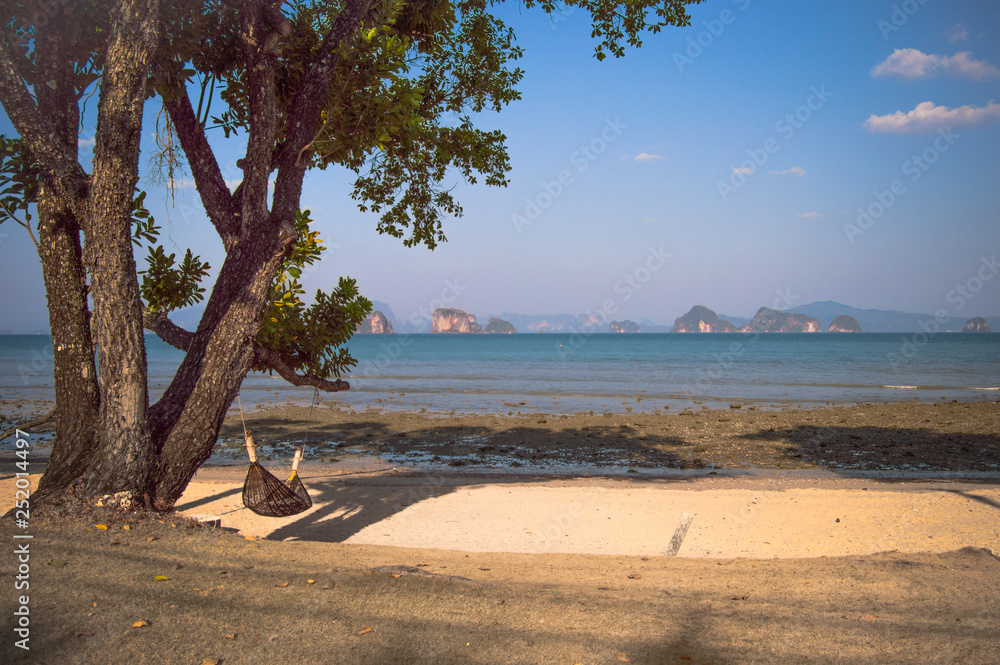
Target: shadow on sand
<point>346,504</point>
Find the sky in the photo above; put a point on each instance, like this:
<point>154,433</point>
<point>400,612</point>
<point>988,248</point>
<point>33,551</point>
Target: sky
<point>771,154</point>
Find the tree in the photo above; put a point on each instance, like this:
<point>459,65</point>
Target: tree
<point>364,85</point>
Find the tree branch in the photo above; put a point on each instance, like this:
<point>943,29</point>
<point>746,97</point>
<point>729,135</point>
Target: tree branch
<point>256,35</point>
<point>40,134</point>
<point>208,177</point>
<point>167,330</point>
<point>307,106</point>
<point>265,355</point>
<point>30,424</point>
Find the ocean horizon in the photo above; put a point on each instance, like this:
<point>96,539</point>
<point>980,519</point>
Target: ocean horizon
<point>600,372</point>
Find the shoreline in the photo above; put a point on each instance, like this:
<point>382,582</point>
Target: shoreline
<point>891,439</point>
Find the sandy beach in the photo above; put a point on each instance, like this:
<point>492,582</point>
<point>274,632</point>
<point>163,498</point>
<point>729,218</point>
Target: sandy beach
<point>865,533</point>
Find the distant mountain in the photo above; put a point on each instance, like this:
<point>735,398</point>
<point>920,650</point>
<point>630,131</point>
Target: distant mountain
<point>772,321</point>
<point>877,320</point>
<point>534,323</point>
<point>736,320</point>
<point>647,326</point>
<point>379,306</point>
<point>701,319</point>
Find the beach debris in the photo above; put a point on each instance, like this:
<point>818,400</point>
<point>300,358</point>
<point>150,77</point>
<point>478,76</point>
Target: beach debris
<point>119,500</point>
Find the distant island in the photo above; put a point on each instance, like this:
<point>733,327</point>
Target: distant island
<point>375,323</point>
<point>701,319</point>
<point>499,326</point>
<point>447,320</point>
<point>977,325</point>
<point>845,324</point>
<point>623,327</point>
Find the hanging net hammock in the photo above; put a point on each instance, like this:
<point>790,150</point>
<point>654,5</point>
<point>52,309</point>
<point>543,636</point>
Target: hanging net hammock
<point>266,495</point>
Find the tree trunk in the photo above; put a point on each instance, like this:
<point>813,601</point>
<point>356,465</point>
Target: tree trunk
<point>74,374</point>
<point>125,456</point>
<point>185,423</point>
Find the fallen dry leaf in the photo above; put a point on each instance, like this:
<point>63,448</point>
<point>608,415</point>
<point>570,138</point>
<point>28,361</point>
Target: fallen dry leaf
<point>395,575</point>
<point>326,586</point>
<point>869,618</point>
<point>161,578</point>
<point>635,576</point>
<point>151,539</point>
<point>231,636</point>
<point>310,581</point>
<point>102,527</point>
<point>140,624</point>
<point>623,658</point>
<point>80,633</point>
<point>126,527</point>
<point>210,661</point>
<point>282,586</point>
<point>366,629</point>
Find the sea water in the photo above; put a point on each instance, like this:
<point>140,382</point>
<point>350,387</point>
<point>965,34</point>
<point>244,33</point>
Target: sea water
<point>552,373</point>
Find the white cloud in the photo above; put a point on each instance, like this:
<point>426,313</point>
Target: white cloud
<point>649,219</point>
<point>743,170</point>
<point>795,170</point>
<point>927,117</point>
<point>809,215</point>
<point>913,64</point>
<point>233,184</point>
<point>647,157</point>
<point>85,143</point>
<point>957,33</point>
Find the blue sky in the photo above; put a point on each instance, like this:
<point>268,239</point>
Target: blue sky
<point>727,164</point>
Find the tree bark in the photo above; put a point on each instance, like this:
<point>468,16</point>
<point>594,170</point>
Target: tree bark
<point>125,455</point>
<point>185,423</point>
<point>74,372</point>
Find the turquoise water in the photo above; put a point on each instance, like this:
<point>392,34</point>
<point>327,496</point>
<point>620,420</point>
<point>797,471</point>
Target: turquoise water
<point>603,372</point>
